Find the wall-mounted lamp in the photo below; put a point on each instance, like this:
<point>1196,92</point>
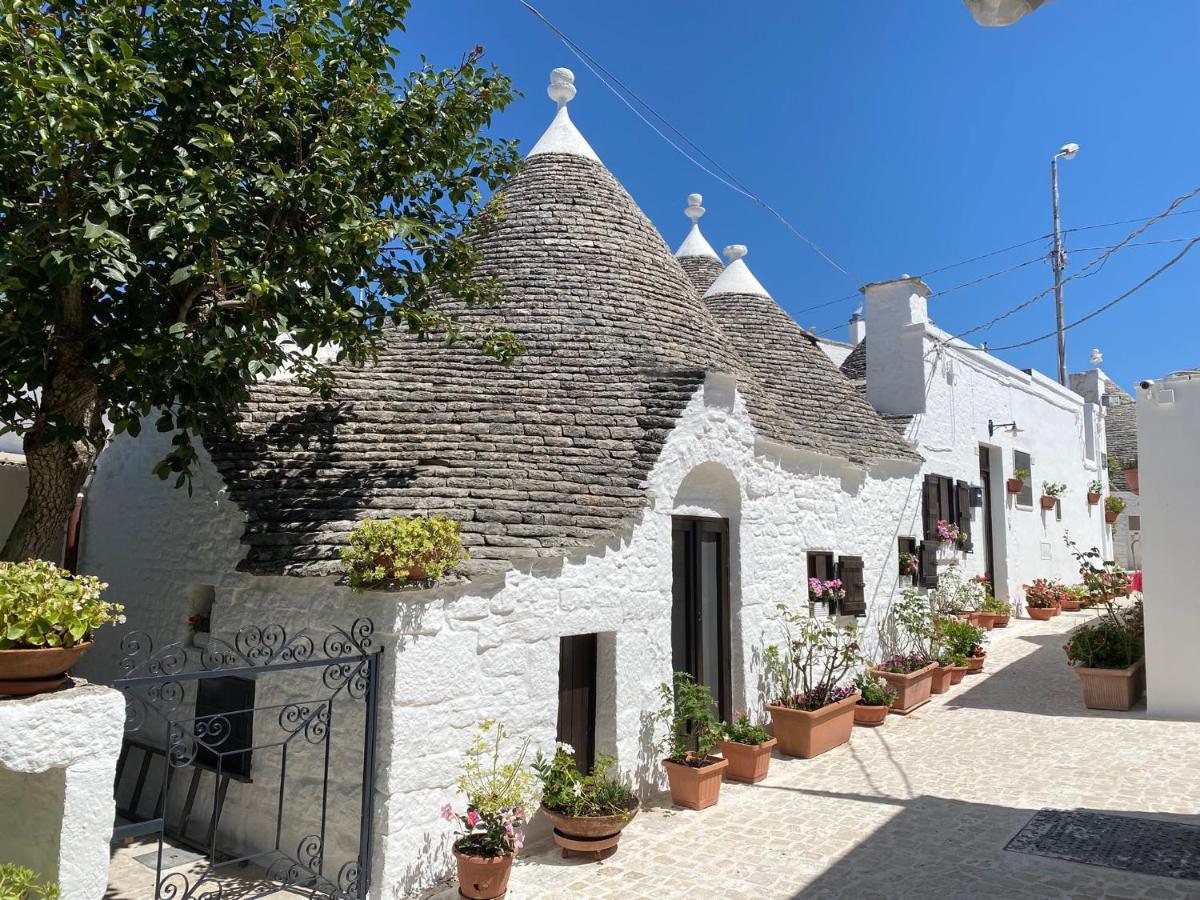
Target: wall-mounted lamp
<point>1010,426</point>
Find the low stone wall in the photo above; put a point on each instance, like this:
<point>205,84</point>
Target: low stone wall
<point>58,758</point>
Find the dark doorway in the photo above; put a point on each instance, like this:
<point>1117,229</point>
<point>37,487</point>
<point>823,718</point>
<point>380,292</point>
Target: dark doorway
<point>700,616</point>
<point>577,697</point>
<point>985,481</point>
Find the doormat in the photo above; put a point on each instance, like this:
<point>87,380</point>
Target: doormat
<point>171,857</point>
<point>1167,849</point>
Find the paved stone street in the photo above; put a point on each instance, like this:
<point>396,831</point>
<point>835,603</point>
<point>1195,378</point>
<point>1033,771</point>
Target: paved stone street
<point>921,807</point>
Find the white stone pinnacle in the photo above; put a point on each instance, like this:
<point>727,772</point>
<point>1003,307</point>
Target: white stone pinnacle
<point>737,277</point>
<point>562,136</point>
<point>694,210</point>
<point>735,251</point>
<point>695,244</point>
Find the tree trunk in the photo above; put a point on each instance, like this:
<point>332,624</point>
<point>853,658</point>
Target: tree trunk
<point>57,467</point>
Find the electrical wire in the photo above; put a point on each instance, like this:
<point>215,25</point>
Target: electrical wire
<point>730,180</point>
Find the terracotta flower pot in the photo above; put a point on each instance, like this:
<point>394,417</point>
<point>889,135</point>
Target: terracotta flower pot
<point>589,834</point>
<point>483,877</point>
<point>37,669</point>
<point>975,664</point>
<point>748,763</point>
<point>957,674</point>
<point>1116,689</point>
<point>941,680</point>
<point>870,716</point>
<point>912,689</point>
<point>1048,502</point>
<point>1056,609</point>
<point>1093,499</point>
<point>1014,485</point>
<point>985,620</point>
<point>807,734</point>
<point>1042,614</point>
<point>1001,620</point>
<point>696,788</point>
<point>1110,517</point>
<point>1069,605</point>
<point>1131,479</point>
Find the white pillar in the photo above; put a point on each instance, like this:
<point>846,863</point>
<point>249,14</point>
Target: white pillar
<point>898,315</point>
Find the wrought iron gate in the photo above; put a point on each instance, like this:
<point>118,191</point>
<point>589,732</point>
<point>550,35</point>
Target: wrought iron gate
<point>198,711</point>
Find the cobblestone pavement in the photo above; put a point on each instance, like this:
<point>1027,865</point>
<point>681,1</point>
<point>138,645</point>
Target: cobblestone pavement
<point>921,807</point>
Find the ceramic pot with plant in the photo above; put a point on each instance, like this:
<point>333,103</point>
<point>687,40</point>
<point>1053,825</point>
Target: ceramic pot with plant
<point>875,700</point>
<point>911,677</point>
<point>950,536</point>
<point>589,811</point>
<point>499,786</point>
<point>998,609</point>
<point>943,676</point>
<point>1017,483</point>
<point>956,665</point>
<point>1042,598</point>
<point>1129,469</point>
<point>399,550</point>
<point>47,620</point>
<point>910,566</point>
<point>693,773</point>
<point>1094,491</point>
<point>964,643</point>
<point>747,746</point>
<point>1113,507</point>
<point>1051,491</point>
<point>1108,655</point>
<point>811,711</point>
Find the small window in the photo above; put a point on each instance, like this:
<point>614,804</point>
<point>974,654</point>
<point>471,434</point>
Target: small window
<point>908,547</point>
<point>1023,462</point>
<point>820,565</point>
<point>1058,509</point>
<point>1089,431</point>
<point>1135,523</point>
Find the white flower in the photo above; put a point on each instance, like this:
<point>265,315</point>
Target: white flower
<point>565,748</point>
<point>577,789</point>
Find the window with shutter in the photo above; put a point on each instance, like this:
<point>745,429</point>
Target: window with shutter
<point>929,568</point>
<point>963,510</point>
<point>909,545</point>
<point>850,571</point>
<point>820,565</point>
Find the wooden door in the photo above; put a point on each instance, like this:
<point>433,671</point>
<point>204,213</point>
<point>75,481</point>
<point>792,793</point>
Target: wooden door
<point>700,617</point>
<point>577,697</point>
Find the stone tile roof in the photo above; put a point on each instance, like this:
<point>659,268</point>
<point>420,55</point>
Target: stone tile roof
<point>836,419</point>
<point>702,271</point>
<point>535,458</point>
<point>855,365</point>
<point>1120,431</point>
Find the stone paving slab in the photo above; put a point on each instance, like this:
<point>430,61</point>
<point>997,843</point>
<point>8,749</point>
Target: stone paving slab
<point>921,807</point>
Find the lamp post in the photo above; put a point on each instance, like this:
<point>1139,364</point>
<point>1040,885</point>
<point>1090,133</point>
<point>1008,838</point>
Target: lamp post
<point>1059,259</point>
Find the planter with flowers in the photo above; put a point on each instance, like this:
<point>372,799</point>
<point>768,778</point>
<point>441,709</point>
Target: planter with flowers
<point>588,812</point>
<point>1113,507</point>
<point>1017,483</point>
<point>831,593</point>
<point>964,644</point>
<point>1051,491</point>
<point>498,785</point>
<point>394,551</point>
<point>47,620</point>
<point>809,710</point>
<point>951,538</point>
<point>1094,491</point>
<point>693,773</point>
<point>747,747</point>
<point>876,698</point>
<point>1043,597</point>
<point>910,566</point>
<point>198,630</point>
<point>998,609</point>
<point>910,676</point>
<point>954,665</point>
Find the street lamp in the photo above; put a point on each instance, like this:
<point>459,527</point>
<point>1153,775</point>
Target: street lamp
<point>1067,151</point>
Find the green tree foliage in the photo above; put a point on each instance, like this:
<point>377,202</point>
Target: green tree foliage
<point>194,195</point>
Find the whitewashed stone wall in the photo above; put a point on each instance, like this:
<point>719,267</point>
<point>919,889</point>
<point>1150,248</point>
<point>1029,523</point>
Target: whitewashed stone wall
<point>951,391</point>
<point>459,654</point>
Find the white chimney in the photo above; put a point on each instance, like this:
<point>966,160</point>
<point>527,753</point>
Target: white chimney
<point>858,329</point>
<point>896,355</point>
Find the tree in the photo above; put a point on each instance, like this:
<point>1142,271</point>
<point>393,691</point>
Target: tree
<point>195,194</point>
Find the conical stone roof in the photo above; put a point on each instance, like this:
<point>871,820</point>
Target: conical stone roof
<point>835,419</point>
<point>696,255</point>
<point>534,458</point>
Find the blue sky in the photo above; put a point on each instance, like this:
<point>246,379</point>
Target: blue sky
<point>899,136</point>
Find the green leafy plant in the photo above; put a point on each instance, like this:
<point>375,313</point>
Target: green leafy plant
<point>994,605</point>
<point>198,195</point>
<point>908,627</point>
<point>381,551</point>
<point>499,785</point>
<point>961,639</point>
<point>687,711</point>
<point>743,731</point>
<point>42,605</point>
<point>910,564</point>
<point>21,883</point>
<point>875,691</point>
<point>1114,504</point>
<point>818,654</point>
<point>1021,474</point>
<point>1095,486</point>
<point>1045,593</point>
<point>565,790</point>
<point>1053,488</point>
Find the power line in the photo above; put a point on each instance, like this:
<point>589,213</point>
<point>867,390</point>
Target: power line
<point>730,180</point>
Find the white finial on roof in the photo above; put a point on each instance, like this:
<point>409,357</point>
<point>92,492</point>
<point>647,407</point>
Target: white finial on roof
<point>1097,357</point>
<point>562,136</point>
<point>737,277</point>
<point>695,244</point>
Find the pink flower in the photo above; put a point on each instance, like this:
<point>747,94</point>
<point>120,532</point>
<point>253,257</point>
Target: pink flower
<point>448,812</point>
<point>519,840</point>
<point>473,819</point>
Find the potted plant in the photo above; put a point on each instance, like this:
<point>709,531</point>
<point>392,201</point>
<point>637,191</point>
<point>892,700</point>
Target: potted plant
<point>810,711</point>
<point>1017,482</point>
<point>693,774</point>
<point>1095,489</point>
<point>47,620</point>
<point>964,642</point>
<point>747,746</point>
<point>998,610</point>
<point>1108,655</point>
<point>910,565</point>
<point>1051,491</point>
<point>876,697</point>
<point>400,550</point>
<point>830,592</point>
<point>588,811</point>
<point>198,630</point>
<point>1113,507</point>
<point>1042,598</point>
<point>1129,468</point>
<point>956,664</point>
<point>950,535</point>
<point>21,883</point>
<point>498,786</point>
<point>911,676</point>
